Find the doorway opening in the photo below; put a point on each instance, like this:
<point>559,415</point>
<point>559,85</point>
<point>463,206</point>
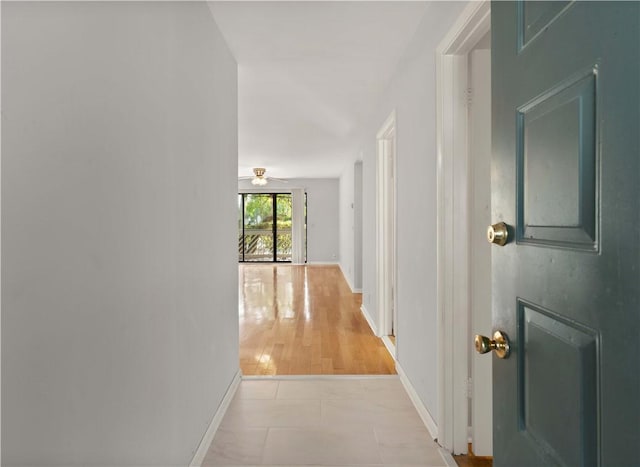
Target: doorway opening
<point>479,369</point>
<point>464,256</point>
<point>386,233</point>
<point>265,230</point>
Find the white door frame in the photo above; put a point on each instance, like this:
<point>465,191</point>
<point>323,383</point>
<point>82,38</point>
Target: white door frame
<point>453,191</point>
<point>386,226</point>
<point>0,238</point>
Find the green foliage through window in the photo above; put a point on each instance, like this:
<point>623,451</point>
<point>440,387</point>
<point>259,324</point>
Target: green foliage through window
<point>257,230</point>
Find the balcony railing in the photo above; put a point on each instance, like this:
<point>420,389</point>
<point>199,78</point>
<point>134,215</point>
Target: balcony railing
<point>258,245</point>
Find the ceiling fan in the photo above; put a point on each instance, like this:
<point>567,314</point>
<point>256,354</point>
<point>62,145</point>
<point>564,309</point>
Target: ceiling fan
<point>259,178</point>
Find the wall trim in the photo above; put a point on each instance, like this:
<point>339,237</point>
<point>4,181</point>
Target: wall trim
<point>448,458</point>
<point>0,243</point>
<point>386,223</point>
<point>452,221</point>
<point>424,413</point>
<point>390,347</point>
<point>367,317</point>
<point>323,263</point>
<point>348,280</point>
<point>203,447</point>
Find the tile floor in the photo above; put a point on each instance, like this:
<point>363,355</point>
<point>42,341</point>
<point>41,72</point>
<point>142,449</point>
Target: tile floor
<point>325,421</point>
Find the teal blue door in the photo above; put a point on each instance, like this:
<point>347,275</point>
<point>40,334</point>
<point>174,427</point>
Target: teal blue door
<point>566,179</point>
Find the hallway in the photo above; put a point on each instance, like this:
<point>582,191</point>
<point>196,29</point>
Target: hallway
<point>323,421</point>
<point>324,390</point>
<point>304,320</point>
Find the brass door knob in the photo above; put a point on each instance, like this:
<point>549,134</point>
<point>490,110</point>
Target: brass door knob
<point>498,234</point>
<point>499,344</point>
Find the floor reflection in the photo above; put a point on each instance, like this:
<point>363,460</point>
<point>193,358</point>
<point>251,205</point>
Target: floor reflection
<point>304,320</point>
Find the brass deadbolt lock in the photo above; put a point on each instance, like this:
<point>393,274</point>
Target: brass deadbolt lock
<point>498,234</point>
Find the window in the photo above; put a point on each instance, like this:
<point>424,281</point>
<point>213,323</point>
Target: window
<point>264,227</point>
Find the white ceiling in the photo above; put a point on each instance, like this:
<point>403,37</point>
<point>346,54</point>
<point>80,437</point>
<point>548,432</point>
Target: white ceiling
<point>309,73</point>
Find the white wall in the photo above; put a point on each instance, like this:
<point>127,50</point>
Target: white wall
<point>357,224</point>
<point>351,225</point>
<point>347,225</point>
<point>323,245</point>
<point>412,93</point>
<point>119,319</point>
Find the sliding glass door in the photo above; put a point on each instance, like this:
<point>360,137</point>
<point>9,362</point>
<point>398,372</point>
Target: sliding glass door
<point>258,227</point>
<point>283,227</point>
<point>264,227</point>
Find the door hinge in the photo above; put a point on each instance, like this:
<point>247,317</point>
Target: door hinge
<point>469,96</point>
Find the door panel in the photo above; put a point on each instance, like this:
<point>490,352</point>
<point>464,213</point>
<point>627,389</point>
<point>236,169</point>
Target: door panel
<point>556,163</point>
<point>559,374</point>
<point>534,17</point>
<point>565,176</point>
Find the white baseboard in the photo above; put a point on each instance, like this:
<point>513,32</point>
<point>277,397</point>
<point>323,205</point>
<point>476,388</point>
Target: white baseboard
<point>367,317</point>
<point>390,346</point>
<point>203,447</point>
<point>447,458</point>
<point>348,279</point>
<point>322,263</point>
<point>426,417</point>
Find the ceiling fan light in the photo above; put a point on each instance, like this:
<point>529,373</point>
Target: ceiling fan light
<point>259,181</point>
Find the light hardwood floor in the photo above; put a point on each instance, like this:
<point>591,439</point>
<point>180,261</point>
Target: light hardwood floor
<point>304,320</point>
<point>471,460</point>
